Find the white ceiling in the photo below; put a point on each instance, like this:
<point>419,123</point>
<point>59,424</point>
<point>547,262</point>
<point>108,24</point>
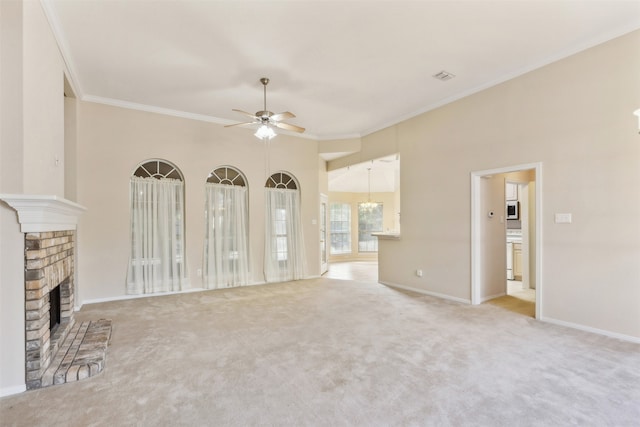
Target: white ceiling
<point>382,175</point>
<point>345,68</point>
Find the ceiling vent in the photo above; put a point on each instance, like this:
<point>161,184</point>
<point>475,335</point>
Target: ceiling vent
<point>444,75</point>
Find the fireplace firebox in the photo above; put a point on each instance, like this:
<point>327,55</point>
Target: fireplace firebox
<point>54,310</point>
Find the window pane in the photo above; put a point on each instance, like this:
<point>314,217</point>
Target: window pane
<point>340,220</point>
<point>281,248</point>
<point>369,221</point>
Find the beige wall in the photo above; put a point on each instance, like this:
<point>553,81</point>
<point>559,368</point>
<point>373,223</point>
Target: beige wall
<point>43,75</point>
<point>580,126</point>
<point>31,138</point>
<point>573,116</point>
<point>11,177</point>
<point>389,213</point>
<point>113,141</point>
<point>70,149</point>
<point>374,146</point>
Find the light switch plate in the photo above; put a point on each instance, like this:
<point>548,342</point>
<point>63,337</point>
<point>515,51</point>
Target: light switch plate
<point>563,218</point>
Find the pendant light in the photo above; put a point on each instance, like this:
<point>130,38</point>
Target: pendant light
<point>369,205</point>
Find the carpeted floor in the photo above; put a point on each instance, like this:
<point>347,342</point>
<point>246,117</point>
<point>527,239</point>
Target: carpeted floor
<point>326,352</point>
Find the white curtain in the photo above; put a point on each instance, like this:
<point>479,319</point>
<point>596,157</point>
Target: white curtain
<point>157,262</point>
<point>226,249</point>
<point>284,245</point>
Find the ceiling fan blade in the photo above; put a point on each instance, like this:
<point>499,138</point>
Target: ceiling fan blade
<point>240,124</point>
<point>245,113</point>
<point>287,126</point>
<point>282,116</point>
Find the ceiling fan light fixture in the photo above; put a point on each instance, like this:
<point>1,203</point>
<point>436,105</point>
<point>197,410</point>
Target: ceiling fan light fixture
<point>267,120</point>
<point>265,132</point>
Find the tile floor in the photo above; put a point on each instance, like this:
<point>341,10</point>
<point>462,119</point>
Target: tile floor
<point>366,271</point>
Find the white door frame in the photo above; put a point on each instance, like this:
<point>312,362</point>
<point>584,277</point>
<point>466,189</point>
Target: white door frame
<point>324,263</point>
<point>476,216</point>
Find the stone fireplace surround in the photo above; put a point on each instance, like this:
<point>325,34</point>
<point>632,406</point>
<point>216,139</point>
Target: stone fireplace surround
<point>48,264</point>
<point>74,351</point>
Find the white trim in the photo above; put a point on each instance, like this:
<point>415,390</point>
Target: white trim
<point>8,391</point>
<point>63,47</point>
<point>324,200</point>
<point>476,265</point>
<point>584,328</point>
<point>131,296</point>
<point>490,297</point>
<point>425,292</point>
<point>185,291</point>
<point>37,213</point>
<point>175,113</point>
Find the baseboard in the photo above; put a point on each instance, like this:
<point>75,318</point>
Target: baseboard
<point>159,294</point>
<point>580,327</point>
<point>127,297</point>
<point>490,297</point>
<point>8,391</point>
<point>425,292</point>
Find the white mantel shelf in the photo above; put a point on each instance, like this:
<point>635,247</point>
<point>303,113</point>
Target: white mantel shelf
<point>41,213</point>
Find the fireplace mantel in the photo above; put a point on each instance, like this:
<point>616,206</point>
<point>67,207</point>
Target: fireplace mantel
<point>42,213</point>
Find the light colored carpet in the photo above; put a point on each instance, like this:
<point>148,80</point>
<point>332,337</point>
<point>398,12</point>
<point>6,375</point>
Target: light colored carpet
<point>332,352</point>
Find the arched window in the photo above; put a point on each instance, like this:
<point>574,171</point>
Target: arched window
<point>227,175</point>
<point>226,245</point>
<point>158,169</point>
<point>281,180</point>
<point>284,245</point>
<point>157,260</point>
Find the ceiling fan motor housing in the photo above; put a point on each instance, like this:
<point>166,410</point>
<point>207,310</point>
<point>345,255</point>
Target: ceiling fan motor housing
<point>264,114</point>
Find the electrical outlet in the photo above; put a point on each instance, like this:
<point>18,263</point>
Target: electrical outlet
<point>199,272</point>
<point>419,273</point>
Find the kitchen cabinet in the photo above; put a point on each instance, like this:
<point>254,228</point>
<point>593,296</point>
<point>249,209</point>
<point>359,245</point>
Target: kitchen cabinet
<point>509,261</point>
<point>517,261</point>
<point>511,191</point>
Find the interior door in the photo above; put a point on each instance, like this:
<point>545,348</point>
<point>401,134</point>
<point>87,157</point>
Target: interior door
<point>324,264</point>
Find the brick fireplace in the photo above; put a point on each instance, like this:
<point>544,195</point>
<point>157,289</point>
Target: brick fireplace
<point>49,270</point>
<point>49,225</point>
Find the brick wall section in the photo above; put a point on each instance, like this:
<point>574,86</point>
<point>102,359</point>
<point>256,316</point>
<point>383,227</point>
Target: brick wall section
<point>49,262</point>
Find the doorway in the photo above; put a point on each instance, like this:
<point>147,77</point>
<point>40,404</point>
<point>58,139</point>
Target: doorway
<point>489,222</point>
<point>519,199</point>
<point>364,199</point>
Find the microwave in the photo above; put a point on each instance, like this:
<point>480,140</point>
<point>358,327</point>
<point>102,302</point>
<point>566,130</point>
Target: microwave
<point>513,210</point>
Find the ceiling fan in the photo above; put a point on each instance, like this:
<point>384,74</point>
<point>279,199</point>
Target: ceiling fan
<point>268,120</point>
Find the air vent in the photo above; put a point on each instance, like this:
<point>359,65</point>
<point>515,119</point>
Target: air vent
<point>444,75</point>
